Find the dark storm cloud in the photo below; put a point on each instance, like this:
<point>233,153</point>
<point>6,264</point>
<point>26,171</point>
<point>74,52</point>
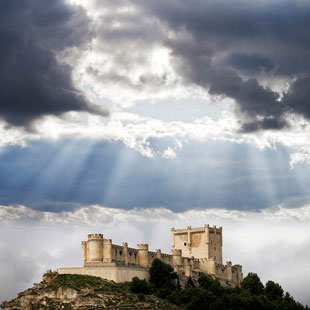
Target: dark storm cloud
<point>250,64</point>
<point>225,47</point>
<point>33,83</point>
<point>298,97</point>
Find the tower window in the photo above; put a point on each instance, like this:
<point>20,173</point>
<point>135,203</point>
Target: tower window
<point>184,243</point>
<point>215,248</point>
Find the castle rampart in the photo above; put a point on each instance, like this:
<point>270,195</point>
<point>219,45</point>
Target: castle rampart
<point>194,251</point>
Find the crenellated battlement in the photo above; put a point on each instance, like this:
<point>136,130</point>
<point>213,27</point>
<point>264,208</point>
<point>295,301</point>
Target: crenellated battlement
<point>95,237</point>
<point>142,246</point>
<point>194,250</point>
<point>165,255</point>
<point>197,229</point>
<point>176,252</point>
<point>133,250</point>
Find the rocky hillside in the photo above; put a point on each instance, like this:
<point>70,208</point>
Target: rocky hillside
<point>82,292</point>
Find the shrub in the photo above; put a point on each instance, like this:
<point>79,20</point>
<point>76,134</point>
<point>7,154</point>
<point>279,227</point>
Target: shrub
<point>141,297</point>
<point>190,282</point>
<point>140,286</point>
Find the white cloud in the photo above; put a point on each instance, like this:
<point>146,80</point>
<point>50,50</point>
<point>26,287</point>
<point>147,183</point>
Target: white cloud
<point>169,153</point>
<point>136,132</point>
<point>274,243</point>
<point>127,61</point>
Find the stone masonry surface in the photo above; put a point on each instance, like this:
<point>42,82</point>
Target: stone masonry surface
<point>194,251</point>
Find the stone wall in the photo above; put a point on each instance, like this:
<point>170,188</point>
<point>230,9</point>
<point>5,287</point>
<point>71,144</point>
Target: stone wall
<point>201,242</point>
<point>115,273</point>
<point>194,251</point>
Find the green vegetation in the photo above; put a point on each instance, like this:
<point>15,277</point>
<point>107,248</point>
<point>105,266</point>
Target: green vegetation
<point>75,281</point>
<point>208,293</point>
<point>140,286</point>
<point>204,294</point>
<point>78,282</point>
<point>163,278</point>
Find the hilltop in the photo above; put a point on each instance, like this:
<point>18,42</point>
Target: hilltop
<point>165,290</point>
<point>69,292</point>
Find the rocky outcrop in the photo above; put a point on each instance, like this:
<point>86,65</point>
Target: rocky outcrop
<point>82,292</point>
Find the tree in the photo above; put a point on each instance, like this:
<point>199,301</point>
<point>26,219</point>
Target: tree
<point>200,299</point>
<point>161,277</point>
<point>273,290</point>
<point>253,284</point>
<point>205,281</point>
<point>208,283</point>
<point>217,305</point>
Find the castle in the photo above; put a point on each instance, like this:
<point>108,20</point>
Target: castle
<point>194,251</point>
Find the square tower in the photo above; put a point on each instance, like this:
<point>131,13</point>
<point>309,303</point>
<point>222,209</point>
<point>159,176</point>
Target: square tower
<point>202,242</point>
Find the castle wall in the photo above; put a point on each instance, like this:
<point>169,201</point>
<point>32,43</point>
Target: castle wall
<point>114,273</point>
<point>194,250</point>
<point>140,256</point>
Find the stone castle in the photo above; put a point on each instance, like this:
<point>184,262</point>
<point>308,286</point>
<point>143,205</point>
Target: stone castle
<point>194,251</point>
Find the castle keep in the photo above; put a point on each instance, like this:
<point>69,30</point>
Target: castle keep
<point>194,251</point>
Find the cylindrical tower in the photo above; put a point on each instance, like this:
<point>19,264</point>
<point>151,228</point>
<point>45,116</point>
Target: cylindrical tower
<point>95,247</point>
<point>187,267</point>
<point>125,251</point>
<point>229,271</point>
<point>211,266</point>
<point>143,255</point>
<point>239,274</point>
<point>176,257</point>
<point>108,250</point>
<point>192,262</point>
<point>158,254</point>
<point>84,251</point>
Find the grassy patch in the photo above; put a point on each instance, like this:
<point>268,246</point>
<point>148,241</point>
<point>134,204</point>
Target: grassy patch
<point>76,281</point>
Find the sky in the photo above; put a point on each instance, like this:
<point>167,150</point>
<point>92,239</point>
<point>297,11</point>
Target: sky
<point>130,117</point>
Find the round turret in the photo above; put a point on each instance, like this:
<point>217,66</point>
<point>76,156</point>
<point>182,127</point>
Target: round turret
<point>84,251</point>
<point>176,256</point>
<point>188,267</point>
<point>158,253</point>
<point>108,250</point>
<point>143,255</point>
<point>125,253</point>
<point>95,247</point>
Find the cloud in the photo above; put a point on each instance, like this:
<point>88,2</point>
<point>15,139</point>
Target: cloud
<point>273,242</point>
<point>116,55</point>
<point>255,54</point>
<point>252,53</point>
<point>138,132</point>
<point>34,82</point>
<point>169,153</point>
